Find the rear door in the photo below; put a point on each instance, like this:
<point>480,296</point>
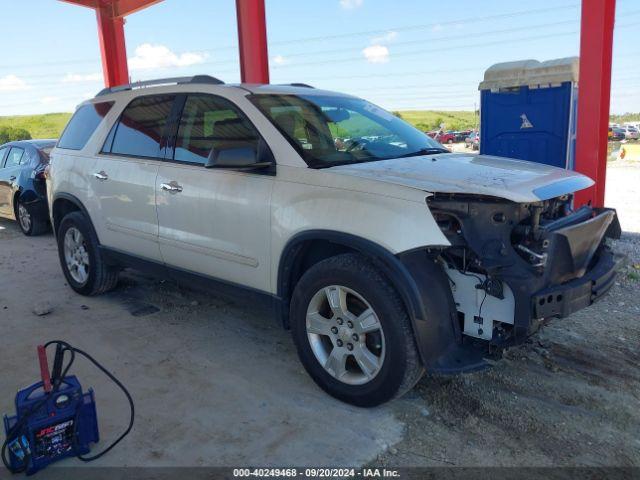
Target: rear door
<point>214,221</point>
<point>125,177</point>
<point>9,173</point>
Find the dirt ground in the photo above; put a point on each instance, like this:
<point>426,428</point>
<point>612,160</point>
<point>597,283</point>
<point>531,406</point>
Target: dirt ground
<point>219,383</point>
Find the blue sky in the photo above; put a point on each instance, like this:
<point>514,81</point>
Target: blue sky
<point>402,54</point>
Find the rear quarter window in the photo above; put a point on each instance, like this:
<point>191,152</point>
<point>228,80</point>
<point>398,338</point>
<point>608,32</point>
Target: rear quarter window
<point>82,125</point>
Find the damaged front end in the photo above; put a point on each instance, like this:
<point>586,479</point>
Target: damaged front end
<point>513,265</point>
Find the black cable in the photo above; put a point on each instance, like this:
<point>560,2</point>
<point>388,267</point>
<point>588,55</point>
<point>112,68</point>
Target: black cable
<point>12,433</point>
<point>481,304</point>
<point>482,285</point>
<point>129,399</point>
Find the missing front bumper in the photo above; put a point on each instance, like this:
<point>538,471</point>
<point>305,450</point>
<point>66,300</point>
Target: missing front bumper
<point>563,300</point>
<point>484,234</point>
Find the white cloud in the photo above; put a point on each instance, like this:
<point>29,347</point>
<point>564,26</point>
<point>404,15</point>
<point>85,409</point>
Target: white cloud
<point>351,4</point>
<point>437,28</point>
<point>80,78</point>
<point>280,60</point>
<point>12,83</point>
<point>386,38</point>
<point>149,56</point>
<point>49,100</point>
<point>376,54</point>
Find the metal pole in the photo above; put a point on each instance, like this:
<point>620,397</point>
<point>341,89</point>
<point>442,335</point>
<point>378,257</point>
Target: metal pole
<point>112,47</point>
<point>252,39</point>
<point>594,90</point>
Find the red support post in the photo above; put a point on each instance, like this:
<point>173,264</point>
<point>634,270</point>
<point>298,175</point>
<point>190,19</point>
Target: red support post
<point>596,50</point>
<point>252,38</point>
<point>112,47</point>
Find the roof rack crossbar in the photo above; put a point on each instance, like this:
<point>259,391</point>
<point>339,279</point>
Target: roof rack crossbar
<point>207,79</point>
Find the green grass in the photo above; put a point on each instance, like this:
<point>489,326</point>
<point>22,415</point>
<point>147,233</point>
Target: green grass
<point>49,125</point>
<point>431,119</point>
<point>625,117</point>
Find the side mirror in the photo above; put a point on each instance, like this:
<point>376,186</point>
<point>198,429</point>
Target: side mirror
<point>240,158</point>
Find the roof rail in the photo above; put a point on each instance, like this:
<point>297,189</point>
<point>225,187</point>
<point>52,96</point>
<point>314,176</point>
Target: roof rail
<point>206,79</point>
<point>304,85</point>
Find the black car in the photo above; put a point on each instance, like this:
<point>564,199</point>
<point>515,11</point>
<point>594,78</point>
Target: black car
<point>462,135</point>
<point>23,195</point>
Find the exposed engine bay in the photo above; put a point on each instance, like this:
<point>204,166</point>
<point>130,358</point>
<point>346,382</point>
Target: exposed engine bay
<point>513,265</point>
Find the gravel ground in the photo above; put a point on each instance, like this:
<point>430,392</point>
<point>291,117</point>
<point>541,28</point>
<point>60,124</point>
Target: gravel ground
<point>218,383</point>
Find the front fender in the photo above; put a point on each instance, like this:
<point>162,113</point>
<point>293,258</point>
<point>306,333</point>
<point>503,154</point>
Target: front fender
<point>437,330</point>
<point>397,218</point>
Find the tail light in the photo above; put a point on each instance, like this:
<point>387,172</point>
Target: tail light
<point>44,174</point>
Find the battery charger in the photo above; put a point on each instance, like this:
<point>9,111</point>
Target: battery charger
<point>54,418</point>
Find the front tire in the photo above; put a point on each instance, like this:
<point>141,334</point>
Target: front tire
<point>84,268</point>
<point>352,332</point>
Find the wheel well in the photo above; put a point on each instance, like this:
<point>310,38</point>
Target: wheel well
<point>62,207</point>
<point>301,258</point>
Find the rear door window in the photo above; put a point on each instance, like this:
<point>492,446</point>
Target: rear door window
<point>141,127</point>
<point>14,157</point>
<point>82,125</point>
<point>3,152</point>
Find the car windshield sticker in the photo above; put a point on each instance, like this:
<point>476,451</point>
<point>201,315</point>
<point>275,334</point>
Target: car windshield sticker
<point>379,112</point>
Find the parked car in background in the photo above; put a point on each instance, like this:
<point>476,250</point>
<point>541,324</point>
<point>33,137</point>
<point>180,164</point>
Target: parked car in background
<point>445,137</point>
<point>462,135</point>
<point>616,134</point>
<point>473,141</point>
<point>23,195</point>
<point>630,133</point>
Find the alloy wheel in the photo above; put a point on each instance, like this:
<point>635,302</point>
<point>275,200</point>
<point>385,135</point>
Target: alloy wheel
<point>345,334</point>
<point>76,255</point>
<point>24,217</point>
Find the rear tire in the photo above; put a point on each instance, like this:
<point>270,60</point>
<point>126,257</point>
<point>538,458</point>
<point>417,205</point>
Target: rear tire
<point>377,365</point>
<point>80,258</point>
<point>30,223</point>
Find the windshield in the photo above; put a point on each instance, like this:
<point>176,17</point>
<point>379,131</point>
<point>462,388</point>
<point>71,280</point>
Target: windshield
<point>332,130</point>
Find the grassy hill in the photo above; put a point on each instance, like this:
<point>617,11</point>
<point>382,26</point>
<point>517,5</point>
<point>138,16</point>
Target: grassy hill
<point>431,119</point>
<point>49,125</point>
<point>625,117</point>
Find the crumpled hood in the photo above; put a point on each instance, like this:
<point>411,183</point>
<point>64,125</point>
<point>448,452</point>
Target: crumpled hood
<point>515,180</point>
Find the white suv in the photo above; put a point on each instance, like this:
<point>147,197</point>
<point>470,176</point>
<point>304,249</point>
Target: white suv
<point>384,253</point>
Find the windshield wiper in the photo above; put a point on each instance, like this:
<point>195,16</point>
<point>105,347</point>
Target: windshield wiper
<point>425,151</point>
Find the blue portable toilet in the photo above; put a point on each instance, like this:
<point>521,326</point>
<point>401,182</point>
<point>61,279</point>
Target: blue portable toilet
<point>528,111</point>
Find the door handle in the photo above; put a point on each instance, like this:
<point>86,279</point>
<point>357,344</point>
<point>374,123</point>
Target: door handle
<point>101,175</point>
<point>12,178</point>
<point>171,187</point>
